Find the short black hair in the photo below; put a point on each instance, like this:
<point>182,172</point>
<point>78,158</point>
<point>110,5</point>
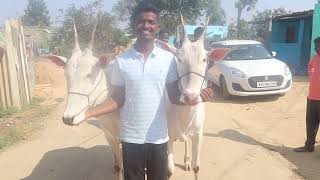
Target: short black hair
<point>317,40</point>
<point>198,30</point>
<point>164,31</point>
<point>143,6</point>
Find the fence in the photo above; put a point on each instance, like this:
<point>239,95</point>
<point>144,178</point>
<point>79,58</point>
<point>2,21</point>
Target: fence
<point>15,89</point>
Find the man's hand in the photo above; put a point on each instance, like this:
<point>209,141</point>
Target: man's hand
<point>105,59</point>
<point>206,94</point>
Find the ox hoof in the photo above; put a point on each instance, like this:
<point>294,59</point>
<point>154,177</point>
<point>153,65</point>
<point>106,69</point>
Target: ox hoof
<point>187,166</point>
<point>182,138</point>
<point>196,169</point>
<point>116,169</point>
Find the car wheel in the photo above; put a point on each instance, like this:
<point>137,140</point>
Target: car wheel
<point>224,89</point>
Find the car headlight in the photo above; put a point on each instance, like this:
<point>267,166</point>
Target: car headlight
<point>287,71</point>
<point>236,73</point>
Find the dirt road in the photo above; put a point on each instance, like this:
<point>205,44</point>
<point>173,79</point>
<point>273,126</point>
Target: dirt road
<point>244,139</point>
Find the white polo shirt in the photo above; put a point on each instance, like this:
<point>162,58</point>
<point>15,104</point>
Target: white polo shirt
<point>143,115</point>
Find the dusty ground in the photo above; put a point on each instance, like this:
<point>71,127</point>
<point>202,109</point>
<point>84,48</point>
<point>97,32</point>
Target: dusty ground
<point>50,82</point>
<point>244,139</point>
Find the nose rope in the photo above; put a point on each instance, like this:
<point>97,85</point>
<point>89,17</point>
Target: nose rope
<point>90,104</point>
<point>202,76</point>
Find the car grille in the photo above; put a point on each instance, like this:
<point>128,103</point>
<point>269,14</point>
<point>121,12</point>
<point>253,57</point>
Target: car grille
<point>254,80</point>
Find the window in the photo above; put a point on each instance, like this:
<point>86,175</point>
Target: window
<point>291,35</point>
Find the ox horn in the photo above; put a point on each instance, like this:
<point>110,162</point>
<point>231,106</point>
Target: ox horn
<point>76,38</point>
<point>90,46</point>
<point>185,34</point>
<point>205,29</point>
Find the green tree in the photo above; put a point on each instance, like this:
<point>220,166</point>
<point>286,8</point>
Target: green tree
<point>170,11</point>
<point>36,13</point>
<point>213,9</point>
<point>241,5</point>
<point>107,35</point>
<point>260,18</point>
<point>241,30</point>
<point>257,27</point>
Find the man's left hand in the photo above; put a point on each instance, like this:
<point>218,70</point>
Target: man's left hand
<point>206,94</point>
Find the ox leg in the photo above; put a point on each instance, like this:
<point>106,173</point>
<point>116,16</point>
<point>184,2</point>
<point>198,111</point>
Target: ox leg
<point>170,159</point>
<point>117,154</point>
<point>196,148</point>
<point>187,162</point>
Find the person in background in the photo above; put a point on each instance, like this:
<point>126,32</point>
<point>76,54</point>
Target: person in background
<point>164,35</point>
<point>197,33</point>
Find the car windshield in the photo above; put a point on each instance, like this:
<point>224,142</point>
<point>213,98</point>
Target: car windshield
<point>247,52</point>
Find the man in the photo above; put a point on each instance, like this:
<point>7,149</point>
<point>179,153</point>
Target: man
<point>140,77</point>
<point>313,101</point>
<point>197,33</point>
<point>164,35</point>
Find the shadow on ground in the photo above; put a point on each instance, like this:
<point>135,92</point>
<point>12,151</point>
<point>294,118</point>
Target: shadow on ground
<point>307,164</point>
<point>75,163</point>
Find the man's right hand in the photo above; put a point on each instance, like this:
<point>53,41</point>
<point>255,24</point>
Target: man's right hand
<point>106,58</point>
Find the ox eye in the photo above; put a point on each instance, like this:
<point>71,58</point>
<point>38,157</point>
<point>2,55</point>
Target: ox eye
<point>204,60</point>
<point>88,75</point>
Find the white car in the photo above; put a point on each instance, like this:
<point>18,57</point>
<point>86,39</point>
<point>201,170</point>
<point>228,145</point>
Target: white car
<point>249,69</point>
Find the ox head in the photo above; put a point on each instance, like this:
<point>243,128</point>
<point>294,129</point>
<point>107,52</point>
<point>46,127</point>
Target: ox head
<point>86,81</point>
<point>192,60</point>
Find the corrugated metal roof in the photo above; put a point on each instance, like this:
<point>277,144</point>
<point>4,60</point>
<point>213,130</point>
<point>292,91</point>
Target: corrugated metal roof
<point>295,15</point>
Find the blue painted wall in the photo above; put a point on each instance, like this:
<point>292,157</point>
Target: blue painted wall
<point>287,52</point>
<point>296,54</point>
<point>212,31</point>
<point>316,27</point>
<point>279,29</point>
<point>305,46</point>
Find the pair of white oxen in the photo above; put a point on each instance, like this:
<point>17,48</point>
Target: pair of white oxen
<point>88,85</point>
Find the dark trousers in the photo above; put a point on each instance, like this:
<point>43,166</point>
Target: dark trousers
<point>312,122</point>
<point>140,160</point>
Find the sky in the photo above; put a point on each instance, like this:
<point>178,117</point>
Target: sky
<point>14,8</point>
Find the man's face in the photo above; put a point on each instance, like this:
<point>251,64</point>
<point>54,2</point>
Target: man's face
<point>317,48</point>
<point>164,37</point>
<point>146,26</point>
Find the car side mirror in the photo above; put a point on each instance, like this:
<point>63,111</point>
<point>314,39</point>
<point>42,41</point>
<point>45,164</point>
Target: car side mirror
<point>218,54</point>
<point>274,53</point>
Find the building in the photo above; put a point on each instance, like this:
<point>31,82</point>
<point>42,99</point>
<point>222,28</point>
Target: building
<point>292,38</point>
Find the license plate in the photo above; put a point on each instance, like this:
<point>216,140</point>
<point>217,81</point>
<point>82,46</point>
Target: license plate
<point>267,84</point>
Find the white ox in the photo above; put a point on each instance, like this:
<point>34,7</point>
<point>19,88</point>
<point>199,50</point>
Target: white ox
<point>186,122</point>
<point>89,85</point>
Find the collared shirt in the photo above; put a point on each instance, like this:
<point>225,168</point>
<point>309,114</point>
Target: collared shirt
<point>143,115</point>
<point>314,78</point>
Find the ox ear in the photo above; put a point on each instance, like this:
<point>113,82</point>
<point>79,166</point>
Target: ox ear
<point>58,60</point>
<point>218,54</point>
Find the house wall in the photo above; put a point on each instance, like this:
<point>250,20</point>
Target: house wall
<point>315,28</point>
<point>220,31</point>
<point>305,45</point>
<point>287,52</point>
<point>296,54</point>
<point>279,29</point>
